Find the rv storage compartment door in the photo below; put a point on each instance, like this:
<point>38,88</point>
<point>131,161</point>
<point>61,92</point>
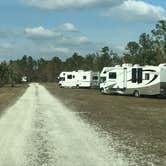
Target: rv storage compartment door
<point>163,81</point>
<point>140,75</point>
<point>125,78</point>
<point>137,75</point>
<point>134,75</point>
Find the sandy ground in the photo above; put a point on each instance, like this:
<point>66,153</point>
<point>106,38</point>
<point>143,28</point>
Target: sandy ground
<point>138,124</point>
<point>39,130</point>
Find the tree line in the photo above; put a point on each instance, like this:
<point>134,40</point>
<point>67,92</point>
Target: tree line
<point>149,50</point>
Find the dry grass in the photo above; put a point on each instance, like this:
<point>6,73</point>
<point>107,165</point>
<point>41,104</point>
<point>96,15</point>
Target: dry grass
<point>8,95</point>
<point>139,123</point>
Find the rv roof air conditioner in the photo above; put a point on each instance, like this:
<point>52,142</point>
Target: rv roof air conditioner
<point>162,65</point>
<point>127,65</point>
<point>136,65</point>
<point>106,69</point>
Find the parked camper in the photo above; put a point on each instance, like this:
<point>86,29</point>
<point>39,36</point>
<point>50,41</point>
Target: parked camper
<point>134,79</point>
<point>24,79</point>
<point>79,79</point>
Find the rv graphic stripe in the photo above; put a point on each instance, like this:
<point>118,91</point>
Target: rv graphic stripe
<point>154,78</point>
<point>150,70</point>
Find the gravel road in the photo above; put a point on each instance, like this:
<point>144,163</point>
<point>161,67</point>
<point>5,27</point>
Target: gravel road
<point>38,130</point>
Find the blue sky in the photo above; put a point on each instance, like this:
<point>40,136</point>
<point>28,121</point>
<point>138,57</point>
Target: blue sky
<point>47,28</point>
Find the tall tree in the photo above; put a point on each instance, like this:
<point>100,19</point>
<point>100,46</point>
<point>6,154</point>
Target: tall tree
<point>159,35</point>
<point>4,73</point>
<point>74,63</point>
<point>133,55</point>
<point>104,59</point>
<point>89,61</point>
<point>146,50</point>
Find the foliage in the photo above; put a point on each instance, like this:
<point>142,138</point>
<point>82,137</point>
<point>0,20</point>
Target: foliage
<point>149,50</point>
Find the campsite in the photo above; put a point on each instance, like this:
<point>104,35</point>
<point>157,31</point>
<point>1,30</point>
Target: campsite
<point>83,83</point>
<point>138,124</point>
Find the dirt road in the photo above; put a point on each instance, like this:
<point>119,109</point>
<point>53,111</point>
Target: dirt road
<point>38,130</point>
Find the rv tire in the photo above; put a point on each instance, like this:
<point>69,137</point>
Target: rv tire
<point>77,86</point>
<point>136,93</point>
<point>101,89</point>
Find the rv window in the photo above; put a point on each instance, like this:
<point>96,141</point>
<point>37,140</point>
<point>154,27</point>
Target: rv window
<point>64,74</point>
<point>73,76</point>
<point>147,76</point>
<point>69,77</point>
<point>95,78</point>
<point>112,75</point>
<point>84,77</point>
<point>105,72</point>
<point>62,79</point>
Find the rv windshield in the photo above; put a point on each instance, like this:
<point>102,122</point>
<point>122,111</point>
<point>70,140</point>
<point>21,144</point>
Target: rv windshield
<point>102,79</point>
<point>62,79</point>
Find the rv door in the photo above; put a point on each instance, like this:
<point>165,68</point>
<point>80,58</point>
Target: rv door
<point>69,80</point>
<point>125,78</point>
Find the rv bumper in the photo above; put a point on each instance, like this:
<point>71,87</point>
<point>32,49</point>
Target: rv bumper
<point>163,92</point>
<point>163,89</point>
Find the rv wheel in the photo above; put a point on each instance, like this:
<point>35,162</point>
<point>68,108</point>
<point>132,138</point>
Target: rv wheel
<point>136,93</point>
<point>60,85</point>
<point>77,86</point>
<point>101,90</point>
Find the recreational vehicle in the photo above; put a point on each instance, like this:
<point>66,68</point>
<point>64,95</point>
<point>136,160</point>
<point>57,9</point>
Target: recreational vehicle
<point>134,79</point>
<point>79,79</point>
<point>24,79</point>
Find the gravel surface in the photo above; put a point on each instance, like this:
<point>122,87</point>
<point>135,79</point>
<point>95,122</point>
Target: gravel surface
<point>39,130</point>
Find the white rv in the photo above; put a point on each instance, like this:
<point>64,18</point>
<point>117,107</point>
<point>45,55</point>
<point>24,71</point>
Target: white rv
<point>134,79</point>
<point>24,79</point>
<point>79,79</point>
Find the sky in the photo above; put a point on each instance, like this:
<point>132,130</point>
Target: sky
<point>48,28</point>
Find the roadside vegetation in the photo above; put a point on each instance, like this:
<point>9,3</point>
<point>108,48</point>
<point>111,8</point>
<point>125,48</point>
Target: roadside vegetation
<point>8,95</point>
<point>149,50</point>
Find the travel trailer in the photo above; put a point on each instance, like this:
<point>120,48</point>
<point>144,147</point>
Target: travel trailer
<point>79,79</point>
<point>134,80</point>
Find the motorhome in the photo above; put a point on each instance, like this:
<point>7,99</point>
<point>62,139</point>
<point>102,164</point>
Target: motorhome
<point>24,79</point>
<point>134,79</point>
<point>79,79</point>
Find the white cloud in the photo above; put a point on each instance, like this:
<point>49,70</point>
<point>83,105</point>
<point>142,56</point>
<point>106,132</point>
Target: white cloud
<point>6,33</point>
<point>70,4</point>
<point>45,33</point>
<point>83,40</point>
<point>40,32</point>
<point>46,39</point>
<point>5,48</point>
<point>68,27</point>
<point>132,10</point>
<point>52,50</point>
<point>60,50</point>
<point>120,48</point>
<point>74,41</point>
<point>6,45</point>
